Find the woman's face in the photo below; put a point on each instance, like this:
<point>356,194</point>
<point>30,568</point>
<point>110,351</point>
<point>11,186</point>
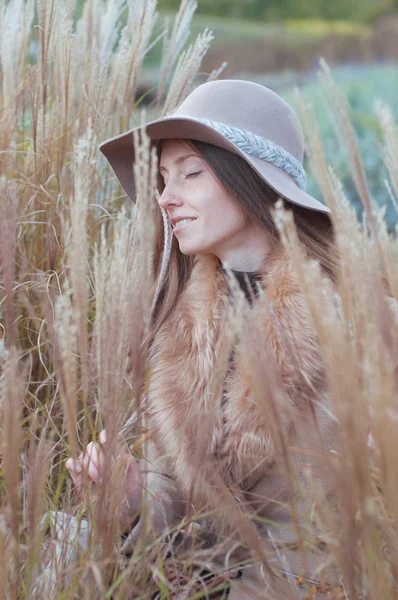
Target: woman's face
<point>217,223</point>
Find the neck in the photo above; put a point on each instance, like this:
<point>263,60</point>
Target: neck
<point>245,252</point>
<point>246,261</point>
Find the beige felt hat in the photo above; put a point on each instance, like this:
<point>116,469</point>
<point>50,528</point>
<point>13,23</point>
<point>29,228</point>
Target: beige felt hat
<point>243,117</point>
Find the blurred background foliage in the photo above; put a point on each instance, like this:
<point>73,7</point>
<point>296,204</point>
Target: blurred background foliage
<point>357,10</point>
<point>279,43</point>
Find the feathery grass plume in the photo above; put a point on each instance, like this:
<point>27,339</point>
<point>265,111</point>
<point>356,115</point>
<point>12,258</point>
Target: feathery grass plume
<point>207,478</point>
<point>63,81</point>
<point>8,241</point>
<point>392,197</point>
<point>335,350</point>
<point>345,131</point>
<point>4,521</point>
<point>390,250</point>
<point>139,274</point>
<point>83,338</point>
<point>350,236</point>
<point>343,215</point>
<point>390,150</point>
<point>124,282</point>
<point>121,59</point>
<point>76,241</point>
<point>16,18</point>
<point>173,45</point>
<point>93,94</point>
<point>114,286</point>
<point>225,502</point>
<point>145,175</point>
<point>59,87</point>
<point>39,455</point>
<point>390,153</point>
<point>378,387</point>
<point>134,44</point>
<point>186,69</point>
<point>4,552</point>
<point>275,406</point>
<point>110,283</point>
<point>362,383</point>
<point>316,154</point>
<point>48,13</point>
<point>340,113</point>
<point>65,340</point>
<point>124,290</point>
<point>108,26</point>
<point>215,74</point>
<point>12,392</point>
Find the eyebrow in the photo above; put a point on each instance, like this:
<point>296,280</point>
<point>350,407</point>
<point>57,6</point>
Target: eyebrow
<point>179,160</point>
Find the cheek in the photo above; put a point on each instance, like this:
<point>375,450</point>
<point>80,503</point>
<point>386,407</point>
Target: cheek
<point>217,206</point>
<point>220,216</point>
<point>228,217</point>
<point>220,224</point>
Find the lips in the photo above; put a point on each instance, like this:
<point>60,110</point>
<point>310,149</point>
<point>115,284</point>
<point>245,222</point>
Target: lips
<point>181,223</point>
<point>175,220</point>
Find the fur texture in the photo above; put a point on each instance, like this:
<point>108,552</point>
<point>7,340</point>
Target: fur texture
<point>204,427</point>
<point>225,402</point>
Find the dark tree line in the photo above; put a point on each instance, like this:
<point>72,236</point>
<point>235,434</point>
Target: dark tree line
<point>356,10</point>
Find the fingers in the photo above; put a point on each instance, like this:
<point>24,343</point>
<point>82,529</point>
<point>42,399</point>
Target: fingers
<point>90,465</point>
<point>75,470</point>
<point>103,439</point>
<point>93,460</point>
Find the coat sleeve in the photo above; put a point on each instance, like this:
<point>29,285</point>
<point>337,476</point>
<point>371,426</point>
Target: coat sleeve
<point>163,504</point>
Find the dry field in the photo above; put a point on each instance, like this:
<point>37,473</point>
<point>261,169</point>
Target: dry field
<point>76,284</point>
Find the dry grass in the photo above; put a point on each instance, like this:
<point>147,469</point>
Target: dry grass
<point>77,283</point>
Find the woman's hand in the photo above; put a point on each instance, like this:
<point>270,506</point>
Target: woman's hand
<point>89,467</point>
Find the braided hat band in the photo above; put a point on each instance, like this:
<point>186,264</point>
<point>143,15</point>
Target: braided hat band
<point>260,147</point>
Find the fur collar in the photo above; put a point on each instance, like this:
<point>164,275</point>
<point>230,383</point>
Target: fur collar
<point>205,423</point>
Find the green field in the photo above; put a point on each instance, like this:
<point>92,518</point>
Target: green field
<point>245,32</point>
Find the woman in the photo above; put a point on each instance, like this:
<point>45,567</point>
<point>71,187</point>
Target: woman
<point>226,155</point>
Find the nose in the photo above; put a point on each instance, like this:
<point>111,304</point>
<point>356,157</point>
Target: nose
<point>169,197</point>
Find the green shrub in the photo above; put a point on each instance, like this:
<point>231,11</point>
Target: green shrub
<point>362,87</point>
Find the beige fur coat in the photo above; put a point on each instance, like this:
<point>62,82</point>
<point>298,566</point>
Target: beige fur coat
<point>205,431</point>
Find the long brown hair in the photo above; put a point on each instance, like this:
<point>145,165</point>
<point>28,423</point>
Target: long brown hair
<point>314,228</point>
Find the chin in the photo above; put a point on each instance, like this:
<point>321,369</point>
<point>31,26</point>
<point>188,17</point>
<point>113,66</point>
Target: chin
<point>194,249</point>
<point>189,251</point>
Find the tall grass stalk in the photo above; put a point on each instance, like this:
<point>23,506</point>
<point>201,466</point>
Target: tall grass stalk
<point>77,277</point>
<point>77,283</point>
<point>362,371</point>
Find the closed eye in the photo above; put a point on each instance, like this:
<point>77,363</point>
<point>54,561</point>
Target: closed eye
<point>195,174</point>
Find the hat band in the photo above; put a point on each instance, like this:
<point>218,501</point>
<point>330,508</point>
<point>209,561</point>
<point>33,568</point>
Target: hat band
<point>259,147</point>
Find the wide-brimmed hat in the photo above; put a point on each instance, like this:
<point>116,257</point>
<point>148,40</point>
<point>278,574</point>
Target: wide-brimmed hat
<point>243,117</point>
